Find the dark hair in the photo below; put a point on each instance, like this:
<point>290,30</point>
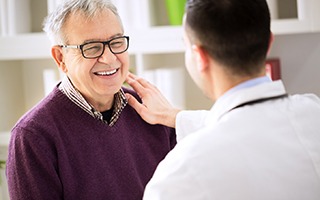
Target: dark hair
<point>235,33</point>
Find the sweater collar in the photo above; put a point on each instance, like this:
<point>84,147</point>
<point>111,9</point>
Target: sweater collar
<point>76,97</point>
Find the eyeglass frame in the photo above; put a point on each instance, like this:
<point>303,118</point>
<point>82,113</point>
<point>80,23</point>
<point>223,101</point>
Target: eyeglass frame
<point>104,46</point>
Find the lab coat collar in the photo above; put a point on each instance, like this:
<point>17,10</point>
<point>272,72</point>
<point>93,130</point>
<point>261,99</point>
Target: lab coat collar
<point>261,91</point>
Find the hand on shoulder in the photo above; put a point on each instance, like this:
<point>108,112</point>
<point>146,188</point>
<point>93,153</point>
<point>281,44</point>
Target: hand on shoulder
<point>155,108</point>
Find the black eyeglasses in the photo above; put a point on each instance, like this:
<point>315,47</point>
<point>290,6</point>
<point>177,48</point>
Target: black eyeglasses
<point>92,50</point>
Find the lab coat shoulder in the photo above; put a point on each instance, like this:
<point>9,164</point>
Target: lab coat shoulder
<point>309,98</point>
<point>172,174</point>
<point>188,122</point>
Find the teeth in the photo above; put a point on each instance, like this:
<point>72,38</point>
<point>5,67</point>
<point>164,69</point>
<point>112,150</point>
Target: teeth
<point>106,73</point>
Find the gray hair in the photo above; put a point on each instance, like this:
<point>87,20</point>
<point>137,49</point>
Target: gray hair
<point>54,23</point>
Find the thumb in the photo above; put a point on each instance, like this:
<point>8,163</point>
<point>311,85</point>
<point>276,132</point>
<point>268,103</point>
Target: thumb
<point>133,102</point>
<point>140,109</point>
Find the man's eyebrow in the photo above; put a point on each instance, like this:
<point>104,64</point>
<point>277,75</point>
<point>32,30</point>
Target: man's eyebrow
<point>96,40</point>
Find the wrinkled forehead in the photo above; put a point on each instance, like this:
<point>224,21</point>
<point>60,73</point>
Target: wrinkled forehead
<point>80,27</point>
<point>84,16</point>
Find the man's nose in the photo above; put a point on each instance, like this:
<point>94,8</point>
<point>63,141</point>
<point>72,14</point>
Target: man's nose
<point>107,55</point>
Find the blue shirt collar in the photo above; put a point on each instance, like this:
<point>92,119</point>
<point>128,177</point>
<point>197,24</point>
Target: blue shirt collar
<point>246,84</point>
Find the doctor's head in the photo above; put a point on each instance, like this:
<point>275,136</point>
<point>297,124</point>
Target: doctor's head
<point>233,34</point>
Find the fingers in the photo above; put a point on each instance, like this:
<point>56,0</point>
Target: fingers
<point>133,102</point>
<point>131,77</point>
<point>140,84</point>
<point>140,108</point>
<point>135,85</point>
<point>155,108</point>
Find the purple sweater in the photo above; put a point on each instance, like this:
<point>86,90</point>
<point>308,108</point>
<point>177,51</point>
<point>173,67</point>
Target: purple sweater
<point>58,151</point>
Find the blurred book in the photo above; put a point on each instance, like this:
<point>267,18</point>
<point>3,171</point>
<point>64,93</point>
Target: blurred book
<point>273,70</point>
<point>175,10</point>
<point>131,13</point>
<point>50,79</point>
<point>3,18</point>
<point>18,18</point>
<point>170,81</point>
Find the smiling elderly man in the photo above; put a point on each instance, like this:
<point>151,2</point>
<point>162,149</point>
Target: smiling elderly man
<point>83,141</point>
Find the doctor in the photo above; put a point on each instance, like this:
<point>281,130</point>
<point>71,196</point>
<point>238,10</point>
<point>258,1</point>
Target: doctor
<point>256,142</point>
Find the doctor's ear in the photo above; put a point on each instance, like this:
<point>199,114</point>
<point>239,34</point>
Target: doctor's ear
<point>58,56</point>
<point>271,39</point>
<point>201,56</point>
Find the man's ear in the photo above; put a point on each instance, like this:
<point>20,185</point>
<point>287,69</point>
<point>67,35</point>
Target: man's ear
<point>202,57</point>
<point>57,54</point>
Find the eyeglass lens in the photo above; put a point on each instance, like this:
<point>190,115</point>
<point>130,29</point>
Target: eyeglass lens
<point>96,49</point>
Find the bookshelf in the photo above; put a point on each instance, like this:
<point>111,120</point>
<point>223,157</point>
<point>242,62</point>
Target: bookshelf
<point>154,44</point>
<point>294,16</point>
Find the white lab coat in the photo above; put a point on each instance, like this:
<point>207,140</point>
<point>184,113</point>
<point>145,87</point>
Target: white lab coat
<point>264,151</point>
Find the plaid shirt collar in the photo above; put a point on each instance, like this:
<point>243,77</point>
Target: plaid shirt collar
<point>75,96</point>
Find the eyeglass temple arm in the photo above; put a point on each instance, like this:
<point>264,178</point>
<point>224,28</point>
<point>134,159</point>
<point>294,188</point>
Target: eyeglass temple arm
<point>70,46</point>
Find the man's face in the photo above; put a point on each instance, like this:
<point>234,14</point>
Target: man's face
<point>100,78</point>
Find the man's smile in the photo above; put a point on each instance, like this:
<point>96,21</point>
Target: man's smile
<point>106,73</point>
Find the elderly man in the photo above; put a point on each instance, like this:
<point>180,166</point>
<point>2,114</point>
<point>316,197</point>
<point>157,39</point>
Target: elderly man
<point>83,141</point>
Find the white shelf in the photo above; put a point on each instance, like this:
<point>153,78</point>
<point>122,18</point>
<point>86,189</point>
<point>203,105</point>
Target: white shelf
<point>162,39</point>
<point>307,18</point>
<point>155,40</point>
<point>25,46</point>
<point>291,26</point>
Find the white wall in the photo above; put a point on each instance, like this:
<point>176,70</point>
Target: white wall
<point>11,94</point>
<point>21,87</point>
<point>300,61</point>
<point>34,80</point>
